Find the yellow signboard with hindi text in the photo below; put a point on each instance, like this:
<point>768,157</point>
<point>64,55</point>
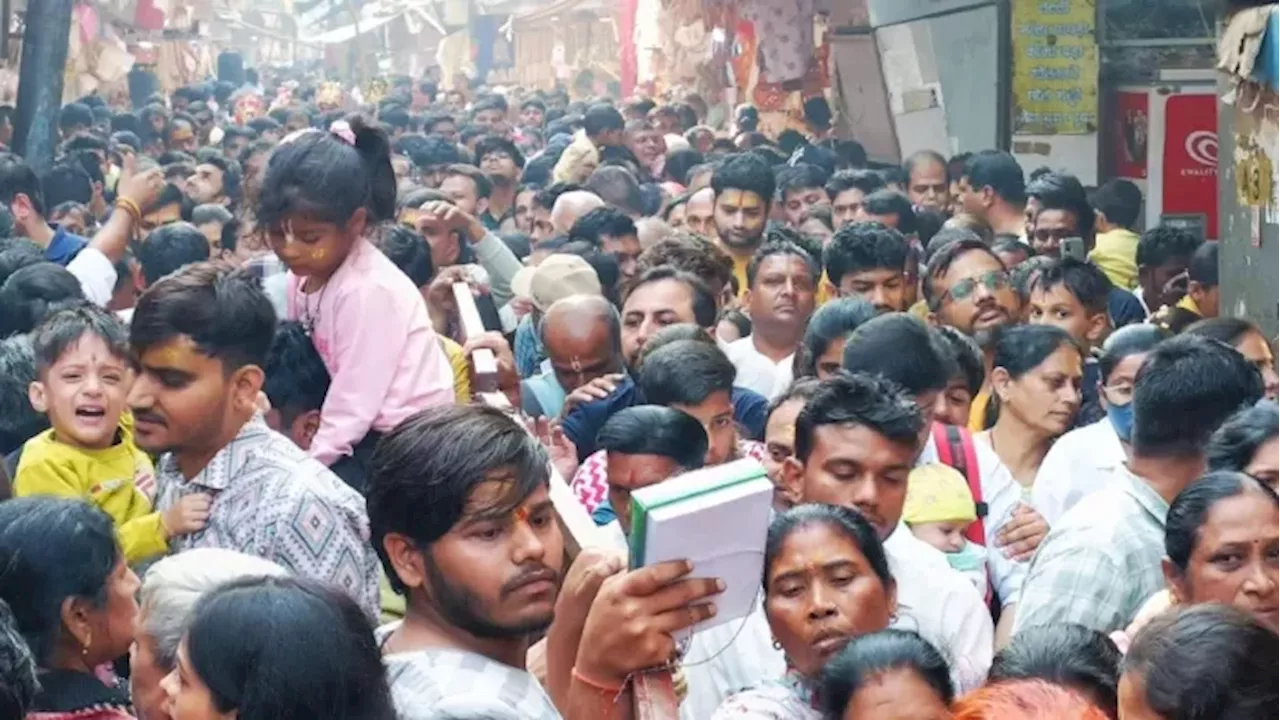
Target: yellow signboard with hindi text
<point>1055,67</point>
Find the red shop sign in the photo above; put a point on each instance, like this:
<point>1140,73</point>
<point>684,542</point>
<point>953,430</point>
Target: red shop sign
<point>1191,158</point>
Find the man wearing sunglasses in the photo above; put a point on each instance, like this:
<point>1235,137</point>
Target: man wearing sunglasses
<point>968,288</point>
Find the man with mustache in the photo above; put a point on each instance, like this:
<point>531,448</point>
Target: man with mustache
<point>464,526</point>
<point>744,188</point>
<point>968,288</point>
<point>201,337</point>
<point>782,287</point>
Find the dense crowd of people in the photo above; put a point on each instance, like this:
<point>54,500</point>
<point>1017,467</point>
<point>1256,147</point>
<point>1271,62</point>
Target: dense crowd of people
<point>1024,462</point>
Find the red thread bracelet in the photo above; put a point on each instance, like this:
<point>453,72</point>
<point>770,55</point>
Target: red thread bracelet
<point>595,684</point>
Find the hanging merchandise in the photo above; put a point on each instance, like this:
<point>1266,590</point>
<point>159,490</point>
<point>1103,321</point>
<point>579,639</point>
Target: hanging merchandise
<point>744,58</point>
<point>490,47</point>
<point>148,16</point>
<point>97,59</point>
<point>559,62</point>
<point>817,78</point>
<point>785,29</point>
<point>629,58</point>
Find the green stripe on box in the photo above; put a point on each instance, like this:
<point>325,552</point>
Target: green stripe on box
<point>709,480</point>
<point>636,542</point>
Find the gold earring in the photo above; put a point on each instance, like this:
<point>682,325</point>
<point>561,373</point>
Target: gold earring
<point>88,640</point>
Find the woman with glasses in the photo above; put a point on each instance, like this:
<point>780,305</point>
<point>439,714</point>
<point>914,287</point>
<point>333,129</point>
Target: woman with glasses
<point>1082,461</point>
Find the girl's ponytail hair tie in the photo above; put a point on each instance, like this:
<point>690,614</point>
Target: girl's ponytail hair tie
<point>342,129</point>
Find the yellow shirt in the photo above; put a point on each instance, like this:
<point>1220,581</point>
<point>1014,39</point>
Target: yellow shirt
<point>740,274</point>
<point>1116,253</point>
<point>826,290</point>
<point>978,410</point>
<point>461,370</point>
<point>108,478</point>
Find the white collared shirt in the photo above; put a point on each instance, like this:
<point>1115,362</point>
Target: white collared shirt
<point>1001,493</point>
<point>1081,462</point>
<point>756,371</point>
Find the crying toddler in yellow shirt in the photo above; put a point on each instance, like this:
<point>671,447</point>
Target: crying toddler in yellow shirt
<point>83,375</point>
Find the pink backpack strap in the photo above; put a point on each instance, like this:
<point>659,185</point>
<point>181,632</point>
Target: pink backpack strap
<point>956,449</point>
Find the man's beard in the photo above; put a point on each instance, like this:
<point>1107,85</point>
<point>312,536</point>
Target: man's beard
<point>739,243</point>
<point>501,181</point>
<point>986,337</point>
<point>464,610</point>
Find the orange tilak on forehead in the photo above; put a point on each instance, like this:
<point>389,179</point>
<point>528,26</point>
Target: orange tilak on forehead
<point>521,514</point>
<point>744,199</point>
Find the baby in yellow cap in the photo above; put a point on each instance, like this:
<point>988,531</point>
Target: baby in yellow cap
<point>939,508</point>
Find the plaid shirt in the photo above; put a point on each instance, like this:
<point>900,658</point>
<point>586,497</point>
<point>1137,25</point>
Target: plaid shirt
<point>1101,562</point>
<point>591,481</point>
<point>439,683</point>
<point>272,500</point>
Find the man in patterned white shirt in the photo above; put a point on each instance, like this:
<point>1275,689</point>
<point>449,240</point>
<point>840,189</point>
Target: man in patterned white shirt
<point>462,519</point>
<point>201,336</point>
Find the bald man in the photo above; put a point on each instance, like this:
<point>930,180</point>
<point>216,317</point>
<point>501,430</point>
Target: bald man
<point>700,213</point>
<point>582,336</point>
<point>570,206</point>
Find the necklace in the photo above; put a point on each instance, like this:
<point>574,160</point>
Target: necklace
<point>311,318</point>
